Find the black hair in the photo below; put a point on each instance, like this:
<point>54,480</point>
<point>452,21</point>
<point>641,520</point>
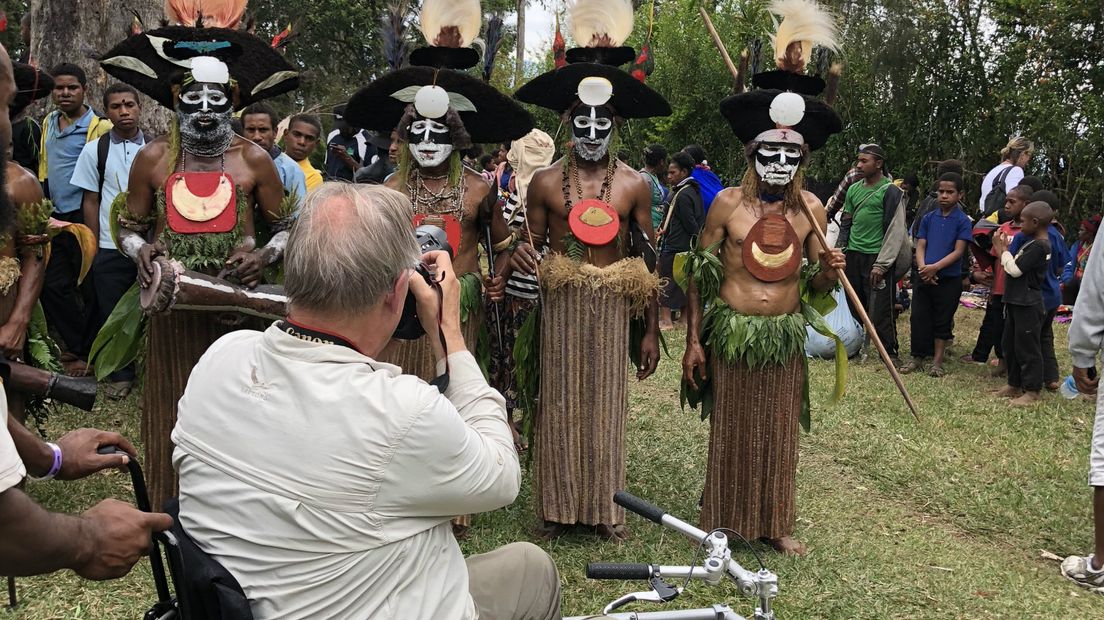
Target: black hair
<point>120,87</point>
<point>623,155</point>
<point>654,155</point>
<point>1048,197</point>
<point>1035,183</point>
<point>262,109</point>
<point>683,160</point>
<point>307,119</point>
<point>695,152</point>
<point>912,179</point>
<point>68,68</point>
<point>1023,190</point>
<point>475,152</point>
<point>949,165</point>
<point>484,160</point>
<point>236,125</point>
<point>952,177</point>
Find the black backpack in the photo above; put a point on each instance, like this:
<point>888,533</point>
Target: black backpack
<point>994,200</point>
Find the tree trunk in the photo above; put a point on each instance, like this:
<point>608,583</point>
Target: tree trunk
<point>519,68</point>
<point>75,30</point>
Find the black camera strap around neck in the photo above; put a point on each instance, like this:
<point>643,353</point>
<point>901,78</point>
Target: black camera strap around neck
<point>317,336</point>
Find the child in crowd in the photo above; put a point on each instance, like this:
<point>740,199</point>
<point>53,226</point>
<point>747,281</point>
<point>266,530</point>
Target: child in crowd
<point>1023,303</point>
<point>941,242</point>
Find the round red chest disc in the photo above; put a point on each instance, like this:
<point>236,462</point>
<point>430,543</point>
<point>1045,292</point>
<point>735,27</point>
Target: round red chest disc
<point>594,222</point>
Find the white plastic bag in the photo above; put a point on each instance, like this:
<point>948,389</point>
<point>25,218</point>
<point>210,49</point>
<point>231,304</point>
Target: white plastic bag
<point>846,327</point>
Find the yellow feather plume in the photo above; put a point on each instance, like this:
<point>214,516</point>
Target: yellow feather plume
<point>601,23</point>
<point>451,23</point>
<point>804,24</point>
<point>216,13</point>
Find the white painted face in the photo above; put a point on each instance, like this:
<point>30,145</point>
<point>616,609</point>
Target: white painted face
<point>592,128</point>
<point>430,143</point>
<point>777,162</point>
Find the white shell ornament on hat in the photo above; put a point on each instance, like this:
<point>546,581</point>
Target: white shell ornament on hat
<point>595,91</point>
<point>431,101</point>
<point>787,109</point>
<point>210,69</point>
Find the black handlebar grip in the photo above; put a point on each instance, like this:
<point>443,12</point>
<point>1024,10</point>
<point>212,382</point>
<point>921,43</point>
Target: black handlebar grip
<point>643,508</point>
<point>603,570</point>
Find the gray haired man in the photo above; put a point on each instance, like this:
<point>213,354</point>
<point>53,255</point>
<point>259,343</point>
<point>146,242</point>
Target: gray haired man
<point>323,479</point>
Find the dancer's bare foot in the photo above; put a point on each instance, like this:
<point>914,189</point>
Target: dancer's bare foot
<point>1026,399</point>
<point>616,533</point>
<point>551,530</point>
<point>1007,391</point>
<point>459,531</point>
<point>787,545</point>
<point>1052,386</point>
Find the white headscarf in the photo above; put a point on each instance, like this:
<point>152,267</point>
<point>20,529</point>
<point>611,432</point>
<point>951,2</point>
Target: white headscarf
<point>527,155</point>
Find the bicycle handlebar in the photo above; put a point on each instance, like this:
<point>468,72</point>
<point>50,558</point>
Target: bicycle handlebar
<point>606,570</point>
<point>641,507</point>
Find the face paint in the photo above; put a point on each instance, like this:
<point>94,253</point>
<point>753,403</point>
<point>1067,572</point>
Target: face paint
<point>430,142</point>
<point>593,131</point>
<point>777,163</point>
<point>205,113</point>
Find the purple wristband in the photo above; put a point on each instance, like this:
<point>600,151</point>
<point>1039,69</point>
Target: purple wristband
<point>56,467</point>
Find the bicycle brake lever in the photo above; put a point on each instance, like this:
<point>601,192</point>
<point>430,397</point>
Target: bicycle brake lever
<point>661,592</point>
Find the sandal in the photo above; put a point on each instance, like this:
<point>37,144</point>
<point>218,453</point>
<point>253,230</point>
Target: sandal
<point>911,367</point>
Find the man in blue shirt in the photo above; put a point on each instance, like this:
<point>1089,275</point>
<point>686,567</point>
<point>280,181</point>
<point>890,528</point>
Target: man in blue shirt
<point>941,242</point>
<point>65,131</point>
<point>102,172</point>
<point>259,122</point>
<point>1051,288</point>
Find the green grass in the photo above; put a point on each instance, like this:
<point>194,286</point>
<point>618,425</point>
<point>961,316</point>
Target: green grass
<point>942,519</point>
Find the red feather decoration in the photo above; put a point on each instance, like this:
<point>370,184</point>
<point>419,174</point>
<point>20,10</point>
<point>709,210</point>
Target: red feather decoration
<point>644,63</point>
<point>280,39</point>
<point>3,21</point>
<point>559,47</point>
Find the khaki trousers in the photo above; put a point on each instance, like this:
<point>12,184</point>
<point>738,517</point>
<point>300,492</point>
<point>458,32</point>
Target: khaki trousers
<point>516,582</point>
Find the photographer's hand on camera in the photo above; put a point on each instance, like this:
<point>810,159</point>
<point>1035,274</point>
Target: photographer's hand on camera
<point>445,304</point>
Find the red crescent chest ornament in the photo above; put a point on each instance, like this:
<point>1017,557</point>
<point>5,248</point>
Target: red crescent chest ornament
<point>771,250</point>
<point>445,222</point>
<point>201,202</point>
<point>594,222</point>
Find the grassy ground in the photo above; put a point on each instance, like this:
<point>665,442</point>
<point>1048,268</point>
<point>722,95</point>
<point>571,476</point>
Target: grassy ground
<point>943,519</point>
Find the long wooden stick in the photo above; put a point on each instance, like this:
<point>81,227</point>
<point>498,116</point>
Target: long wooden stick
<point>851,294</point>
<point>720,44</point>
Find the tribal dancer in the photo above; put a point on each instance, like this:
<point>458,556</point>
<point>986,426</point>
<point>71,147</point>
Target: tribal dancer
<point>438,112</point>
<point>191,194</point>
<point>760,297</point>
<point>594,214</point>
<point>25,220</point>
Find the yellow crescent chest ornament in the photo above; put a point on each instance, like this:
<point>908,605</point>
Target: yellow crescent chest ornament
<point>771,249</point>
<point>200,202</point>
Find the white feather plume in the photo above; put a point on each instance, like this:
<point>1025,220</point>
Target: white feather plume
<point>466,15</point>
<point>595,21</point>
<point>803,21</point>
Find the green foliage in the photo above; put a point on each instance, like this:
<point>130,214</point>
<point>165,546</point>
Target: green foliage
<point>121,339</point>
<point>526,353</point>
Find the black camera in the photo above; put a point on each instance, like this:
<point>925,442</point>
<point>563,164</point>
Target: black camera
<point>430,239</point>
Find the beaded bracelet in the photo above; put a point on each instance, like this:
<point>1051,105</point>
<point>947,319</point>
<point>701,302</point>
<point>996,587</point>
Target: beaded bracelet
<point>55,468</point>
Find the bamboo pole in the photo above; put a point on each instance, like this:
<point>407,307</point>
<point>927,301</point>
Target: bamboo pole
<point>851,294</point>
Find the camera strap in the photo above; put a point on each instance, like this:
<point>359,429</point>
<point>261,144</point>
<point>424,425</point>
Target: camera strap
<point>308,334</point>
<point>441,382</point>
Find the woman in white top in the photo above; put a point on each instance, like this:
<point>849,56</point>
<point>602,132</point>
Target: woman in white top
<point>1014,157</point>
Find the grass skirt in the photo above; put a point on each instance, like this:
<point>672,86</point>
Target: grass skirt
<point>580,429</point>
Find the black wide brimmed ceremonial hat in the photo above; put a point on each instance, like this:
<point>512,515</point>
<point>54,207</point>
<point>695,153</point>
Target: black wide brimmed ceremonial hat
<point>558,90</point>
<point>148,62</point>
<point>31,84</point>
<point>380,105</point>
<point>749,115</point>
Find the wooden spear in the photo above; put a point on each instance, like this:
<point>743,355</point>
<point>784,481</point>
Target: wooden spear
<point>851,294</point>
